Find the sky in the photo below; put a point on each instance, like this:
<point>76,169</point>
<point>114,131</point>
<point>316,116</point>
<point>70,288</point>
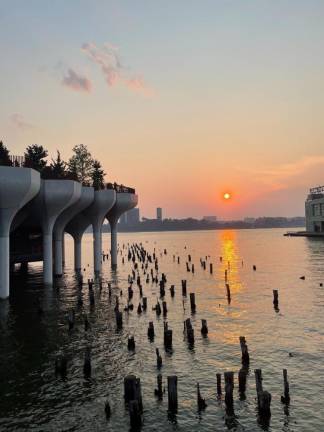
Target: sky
<point>183,100</point>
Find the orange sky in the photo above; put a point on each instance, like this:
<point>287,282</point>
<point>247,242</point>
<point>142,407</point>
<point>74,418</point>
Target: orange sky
<point>181,101</point>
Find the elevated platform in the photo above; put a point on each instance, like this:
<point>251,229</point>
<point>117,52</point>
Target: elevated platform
<point>304,234</point>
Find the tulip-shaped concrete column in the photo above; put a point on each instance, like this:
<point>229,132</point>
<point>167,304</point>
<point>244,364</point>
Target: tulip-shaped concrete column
<point>18,186</point>
<point>61,222</point>
<point>79,223</point>
<point>54,197</point>
<point>103,201</point>
<point>124,202</point>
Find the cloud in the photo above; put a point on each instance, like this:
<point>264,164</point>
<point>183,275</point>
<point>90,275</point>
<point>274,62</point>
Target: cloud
<point>19,122</point>
<point>115,73</point>
<point>299,173</point>
<point>76,82</point>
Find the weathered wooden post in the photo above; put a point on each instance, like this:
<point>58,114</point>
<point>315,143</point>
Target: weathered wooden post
<point>172,290</point>
<point>167,337</point>
<point>242,381</point>
<point>131,343</point>
<point>192,302</point>
<point>107,409</point>
<point>200,401</point>
<point>219,384</point>
<point>204,328</point>
<point>119,319</point>
<point>263,397</point>
<point>244,350</point>
<point>173,393</point>
<point>150,330</point>
<point>165,309</point>
<point>228,293</point>
<point>211,268</point>
<point>190,332</point>
<point>184,287</point>
<point>87,364</point>
<point>286,397</point>
<point>159,391</point>
<point>135,414</point>
<point>229,386</point>
<point>144,303</point>
<point>275,299</point>
<point>158,358</point>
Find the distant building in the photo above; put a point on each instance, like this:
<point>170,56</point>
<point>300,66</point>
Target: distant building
<point>159,213</point>
<point>133,216</point>
<point>249,219</point>
<point>210,218</point>
<point>314,210</point>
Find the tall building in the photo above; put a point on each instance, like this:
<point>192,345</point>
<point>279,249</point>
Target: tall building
<point>159,213</point>
<point>314,210</point>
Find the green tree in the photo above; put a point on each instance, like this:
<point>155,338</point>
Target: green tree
<point>81,163</point>
<point>58,167</point>
<point>4,155</point>
<point>34,157</point>
<point>97,175</point>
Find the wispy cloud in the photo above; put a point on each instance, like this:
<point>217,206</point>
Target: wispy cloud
<point>19,122</point>
<point>303,171</point>
<point>76,82</point>
<point>115,73</point>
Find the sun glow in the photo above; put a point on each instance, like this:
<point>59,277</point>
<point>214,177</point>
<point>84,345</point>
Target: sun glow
<point>227,196</point>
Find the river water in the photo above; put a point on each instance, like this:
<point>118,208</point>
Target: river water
<point>33,398</point>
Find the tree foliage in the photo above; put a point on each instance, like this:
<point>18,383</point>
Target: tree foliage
<point>56,170</point>
<point>97,175</point>
<point>4,155</point>
<point>34,157</point>
<point>81,164</point>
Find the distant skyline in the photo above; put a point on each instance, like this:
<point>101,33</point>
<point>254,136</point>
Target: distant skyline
<point>183,100</point>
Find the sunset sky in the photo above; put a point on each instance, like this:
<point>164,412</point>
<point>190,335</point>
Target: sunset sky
<point>184,100</point>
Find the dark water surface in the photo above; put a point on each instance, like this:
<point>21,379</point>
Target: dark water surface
<point>32,398</point>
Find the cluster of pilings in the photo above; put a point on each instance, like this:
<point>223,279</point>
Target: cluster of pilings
<point>145,269</point>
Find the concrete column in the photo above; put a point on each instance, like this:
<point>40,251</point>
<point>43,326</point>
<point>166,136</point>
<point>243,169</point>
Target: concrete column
<point>63,249</point>
<point>17,187</point>
<point>124,202</point>
<point>4,266</point>
<point>113,228</point>
<point>77,252</point>
<point>58,257</point>
<point>47,257</point>
<point>97,249</point>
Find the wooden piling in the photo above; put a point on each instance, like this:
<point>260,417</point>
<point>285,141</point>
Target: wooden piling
<point>119,319</point>
<point>244,350</point>
<point>150,330</point>
<point>158,358</point>
<point>229,387</point>
<point>159,391</point>
<point>219,384</point>
<point>131,343</point>
<point>204,328</point>
<point>263,397</point>
<point>173,393</point>
<point>200,401</point>
<point>87,363</point>
<point>192,302</point>
<point>286,397</point>
<point>242,380</point>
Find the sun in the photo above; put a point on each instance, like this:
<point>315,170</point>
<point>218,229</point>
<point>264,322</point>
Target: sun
<point>227,196</point>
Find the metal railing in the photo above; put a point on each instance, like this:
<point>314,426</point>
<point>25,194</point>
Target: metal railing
<point>17,161</point>
<point>316,190</point>
<point>120,188</point>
